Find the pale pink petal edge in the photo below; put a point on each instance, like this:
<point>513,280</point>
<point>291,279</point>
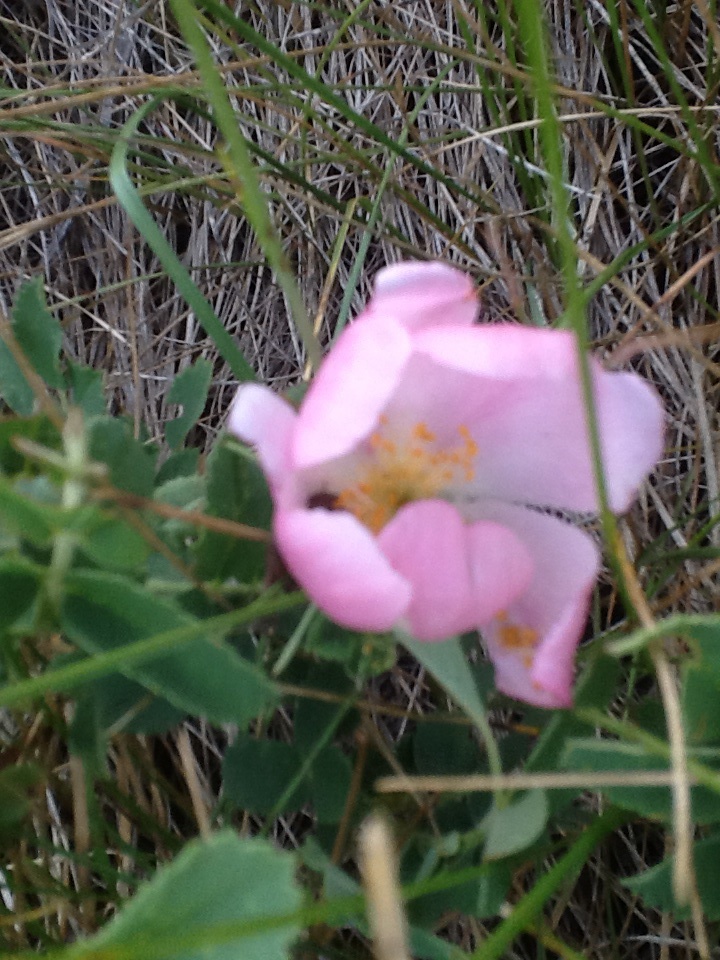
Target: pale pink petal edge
<point>631,420</point>
<point>555,604</point>
<point>264,420</point>
<point>419,294</point>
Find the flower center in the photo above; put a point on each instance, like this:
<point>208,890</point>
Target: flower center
<point>404,470</point>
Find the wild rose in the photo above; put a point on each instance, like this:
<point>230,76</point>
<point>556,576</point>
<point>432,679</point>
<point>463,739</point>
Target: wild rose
<point>408,486</point>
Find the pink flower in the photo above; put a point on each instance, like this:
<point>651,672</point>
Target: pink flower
<point>407,487</point>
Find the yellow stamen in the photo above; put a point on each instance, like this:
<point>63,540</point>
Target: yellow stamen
<point>513,636</point>
<point>402,471</point>
<point>421,431</point>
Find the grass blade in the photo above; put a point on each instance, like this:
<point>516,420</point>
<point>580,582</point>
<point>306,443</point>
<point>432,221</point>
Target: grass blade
<point>129,199</point>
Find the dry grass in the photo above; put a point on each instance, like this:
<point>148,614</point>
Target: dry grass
<point>73,73</point>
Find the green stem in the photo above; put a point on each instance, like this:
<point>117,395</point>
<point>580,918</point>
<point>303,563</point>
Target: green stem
<point>65,678</point>
<point>529,907</point>
<point>130,199</point>
<point>653,745</point>
<point>551,140</point>
<point>320,743</point>
<point>237,161</point>
<point>73,495</point>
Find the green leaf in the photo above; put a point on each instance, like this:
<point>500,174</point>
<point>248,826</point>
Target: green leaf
<point>122,656</point>
<point>38,332</point>
<point>114,704</point>
<point>111,542</point>
<point>328,641</point>
<point>706,631</point>
<point>432,863</point>
<point>447,663</point>
<point>481,897</point>
<point>256,774</point>
<point>236,490</point>
<point>426,946</point>
<point>38,429</point>
<point>329,781</point>
<point>103,611</point>
<point>311,715</point>
<point>655,885</point>
<point>14,388</point>
<point>184,463</point>
<point>493,889</point>
<point>701,705</point>
<point>597,755</point>
<point>517,826</point>
<point>178,533</point>
<point>86,388</point>
<point>443,749</point>
<point>190,388</point>
<point>27,518</point>
<point>39,336</point>
<point>701,683</point>
<point>706,640</point>
<point>597,686</point>
<point>125,705</point>
<point>19,585</point>
<point>188,911</point>
<point>130,462</point>
<point>337,883</point>
<point>184,492</point>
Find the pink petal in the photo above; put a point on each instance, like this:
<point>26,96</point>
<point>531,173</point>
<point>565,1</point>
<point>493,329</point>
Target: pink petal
<point>461,575</point>
<point>632,426</point>
<point>533,646</point>
<point>420,294</point>
<point>502,568</point>
<point>518,391</point>
<point>503,351</point>
<point>426,542</point>
<point>350,391</point>
<point>262,418</point>
<point>338,563</point>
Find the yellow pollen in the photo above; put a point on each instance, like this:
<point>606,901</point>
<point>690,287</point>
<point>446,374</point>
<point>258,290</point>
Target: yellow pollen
<point>513,636</point>
<point>404,470</point>
<point>421,431</point>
